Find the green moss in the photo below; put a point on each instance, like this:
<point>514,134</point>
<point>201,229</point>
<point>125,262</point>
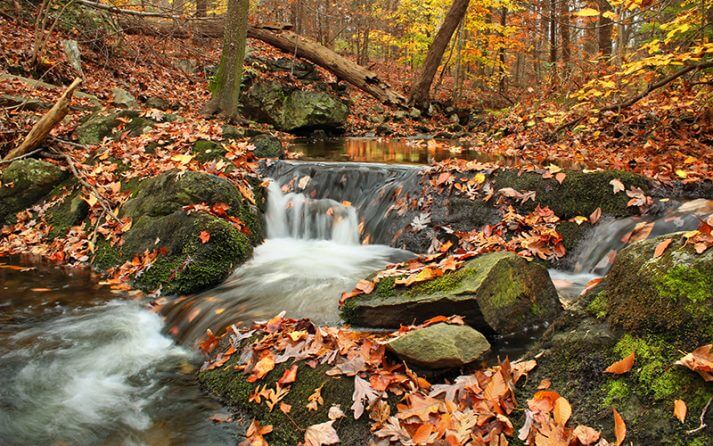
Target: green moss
<point>598,306</point>
<point>616,392</point>
<point>24,183</point>
<point>106,256</point>
<point>206,151</point>
<point>70,211</point>
<point>683,282</point>
<point>232,387</point>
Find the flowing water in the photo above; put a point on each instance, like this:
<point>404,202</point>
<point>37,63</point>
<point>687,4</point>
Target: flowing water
<point>81,365</point>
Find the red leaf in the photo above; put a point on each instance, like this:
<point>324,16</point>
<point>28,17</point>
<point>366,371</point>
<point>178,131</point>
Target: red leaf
<point>204,236</point>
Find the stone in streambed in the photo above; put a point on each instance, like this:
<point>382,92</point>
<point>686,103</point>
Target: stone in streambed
<point>267,146</point>
<point>495,293</point>
<point>24,183</point>
<point>440,346</point>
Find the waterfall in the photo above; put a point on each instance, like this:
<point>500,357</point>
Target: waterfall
<point>293,215</point>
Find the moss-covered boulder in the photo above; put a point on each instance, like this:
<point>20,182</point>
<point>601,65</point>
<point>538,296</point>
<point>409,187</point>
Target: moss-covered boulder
<point>69,211</point>
<point>581,193</point>
<point>187,262</point>
<point>102,124</point>
<point>670,295</point>
<point>25,182</point>
<point>440,346</point>
<point>495,293</point>
<point>267,146</point>
<point>232,388</point>
<point>292,110</point>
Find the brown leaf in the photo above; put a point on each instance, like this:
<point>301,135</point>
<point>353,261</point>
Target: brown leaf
<point>285,408</point>
<point>560,177</point>
<point>586,435</point>
<point>562,411</point>
<point>621,367</point>
<point>679,410</point>
<point>701,361</point>
<point>661,247</point>
<point>422,434</point>
<point>365,286</point>
<point>618,185</point>
<point>595,216</point>
<point>619,427</point>
<point>544,384</point>
<point>321,434</point>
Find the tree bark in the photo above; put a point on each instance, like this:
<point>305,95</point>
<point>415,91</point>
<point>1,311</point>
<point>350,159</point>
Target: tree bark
<point>564,35</point>
<point>226,87</point>
<point>420,92</point>
<point>605,30</point>
<point>46,123</point>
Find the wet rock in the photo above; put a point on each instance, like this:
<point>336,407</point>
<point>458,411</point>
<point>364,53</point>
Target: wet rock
<point>102,124</point>
<point>122,98</point>
<point>414,113</point>
<point>24,183</point>
<point>70,211</point>
<point>205,150</point>
<point>294,110</point>
<point>267,146</point>
<point>496,293</point>
<point>185,263</point>
<point>670,295</point>
<point>440,346</point>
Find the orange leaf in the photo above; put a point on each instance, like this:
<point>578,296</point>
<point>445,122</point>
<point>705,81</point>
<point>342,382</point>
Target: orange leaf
<point>422,433</point>
<point>661,247</point>
<point>204,236</point>
<point>289,376</point>
<point>619,427</point>
<point>560,177</point>
<point>263,367</point>
<point>595,216</point>
<point>366,286</point>
<point>679,410</point>
<point>586,435</point>
<point>621,367</point>
<point>562,411</point>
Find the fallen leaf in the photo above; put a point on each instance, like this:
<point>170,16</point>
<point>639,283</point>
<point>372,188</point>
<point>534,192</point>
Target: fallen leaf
<point>562,411</point>
<point>335,412</point>
<point>364,395</point>
<point>204,236</point>
<point>321,434</point>
<point>586,435</point>
<point>701,361</point>
<point>679,410</point>
<point>661,247</point>
<point>621,367</point>
<point>619,427</point>
<point>618,185</point>
<point>560,177</point>
<point>595,216</point>
<point>288,376</point>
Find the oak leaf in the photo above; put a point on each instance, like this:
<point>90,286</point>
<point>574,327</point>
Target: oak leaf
<point>321,434</point>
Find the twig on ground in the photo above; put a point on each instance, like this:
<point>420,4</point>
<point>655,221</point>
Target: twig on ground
<point>703,424</point>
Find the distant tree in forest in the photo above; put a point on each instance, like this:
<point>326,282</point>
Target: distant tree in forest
<point>226,85</point>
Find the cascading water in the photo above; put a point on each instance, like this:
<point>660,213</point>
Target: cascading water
<point>312,254</point>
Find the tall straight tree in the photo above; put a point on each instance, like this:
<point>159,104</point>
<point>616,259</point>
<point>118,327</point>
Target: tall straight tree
<point>226,86</point>
<point>420,92</point>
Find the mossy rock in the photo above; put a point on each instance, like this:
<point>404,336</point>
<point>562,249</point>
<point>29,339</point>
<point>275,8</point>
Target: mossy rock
<point>70,211</point>
<point>101,125</point>
<point>172,190</point>
<point>581,193</point>
<point>671,295</point>
<point>267,146</point>
<point>292,110</point>
<point>495,293</point>
<point>205,150</point>
<point>574,358</point>
<point>24,183</point>
<point>232,387</point>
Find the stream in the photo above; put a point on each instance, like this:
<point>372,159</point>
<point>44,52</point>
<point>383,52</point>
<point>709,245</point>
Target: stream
<point>83,365</point>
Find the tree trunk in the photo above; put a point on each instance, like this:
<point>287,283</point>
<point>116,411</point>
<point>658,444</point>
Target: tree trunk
<point>501,51</point>
<point>201,8</point>
<point>420,92</point>
<point>564,35</point>
<point>605,30</point>
<point>226,87</point>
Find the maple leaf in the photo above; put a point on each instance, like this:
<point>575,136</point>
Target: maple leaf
<point>255,434</point>
<point>204,237</point>
<point>364,395</point>
<point>262,367</point>
<point>209,343</point>
<point>321,434</point>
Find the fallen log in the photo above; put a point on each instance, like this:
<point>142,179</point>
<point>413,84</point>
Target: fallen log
<point>44,126</point>
<point>151,23</point>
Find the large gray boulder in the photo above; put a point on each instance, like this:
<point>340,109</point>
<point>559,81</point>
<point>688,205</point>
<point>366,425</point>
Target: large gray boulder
<point>495,293</point>
<point>440,346</point>
<point>293,110</point>
<point>25,182</point>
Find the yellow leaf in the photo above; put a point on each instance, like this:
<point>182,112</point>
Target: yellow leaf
<point>479,178</point>
<point>586,12</point>
<point>91,200</point>
<point>562,411</point>
<point>611,15</point>
<point>183,159</point>
<point>550,120</point>
<point>681,173</point>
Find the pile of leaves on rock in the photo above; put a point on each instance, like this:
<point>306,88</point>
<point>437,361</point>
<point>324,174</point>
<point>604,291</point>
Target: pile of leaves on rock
<point>403,407</point>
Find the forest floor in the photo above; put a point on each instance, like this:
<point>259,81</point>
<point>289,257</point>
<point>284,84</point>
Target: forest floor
<point>667,136</point>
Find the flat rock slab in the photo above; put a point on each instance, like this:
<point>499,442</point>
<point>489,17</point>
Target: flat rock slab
<point>440,346</point>
<point>495,293</point>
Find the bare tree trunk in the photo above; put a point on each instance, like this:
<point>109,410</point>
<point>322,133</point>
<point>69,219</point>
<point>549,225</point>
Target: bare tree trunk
<point>420,92</point>
<point>226,87</point>
<point>553,39</point>
<point>605,30</point>
<point>564,36</point>
<point>201,8</point>
<point>501,51</point>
